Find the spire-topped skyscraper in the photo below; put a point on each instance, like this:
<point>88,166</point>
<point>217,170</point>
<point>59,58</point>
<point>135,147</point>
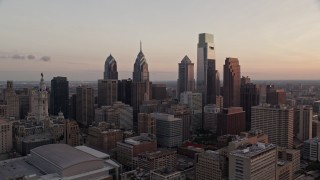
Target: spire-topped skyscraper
<point>140,71</point>
<point>110,68</point>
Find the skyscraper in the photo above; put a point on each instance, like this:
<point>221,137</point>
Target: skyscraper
<point>84,105</point>
<point>231,83</point>
<point>107,92</point>
<point>110,68</point>
<point>140,71</point>
<point>302,127</point>
<point>59,96</point>
<point>141,87</point>
<point>186,80</point>
<point>249,96</point>
<point>218,86</point>
<point>206,68</point>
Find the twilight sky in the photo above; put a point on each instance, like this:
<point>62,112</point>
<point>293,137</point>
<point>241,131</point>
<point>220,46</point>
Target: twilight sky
<point>273,39</point>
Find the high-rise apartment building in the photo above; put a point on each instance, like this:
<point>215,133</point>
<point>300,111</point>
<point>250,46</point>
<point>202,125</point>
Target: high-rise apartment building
<point>110,69</point>
<point>186,80</point>
<point>211,165</point>
<point>146,124</point>
<point>85,105</point>
<point>276,121</point>
<point>107,92</point>
<point>249,96</point>
<point>169,130</point>
<point>293,156</point>
<point>258,161</point>
<point>231,121</point>
<point>12,101</point>
<point>59,96</point>
<point>231,83</point>
<point>206,68</point>
<point>302,127</point>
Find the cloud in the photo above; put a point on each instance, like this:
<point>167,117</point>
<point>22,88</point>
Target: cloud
<point>45,58</point>
<point>17,56</point>
<point>31,57</point>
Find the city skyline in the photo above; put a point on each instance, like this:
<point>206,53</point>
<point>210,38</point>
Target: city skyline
<point>259,34</point>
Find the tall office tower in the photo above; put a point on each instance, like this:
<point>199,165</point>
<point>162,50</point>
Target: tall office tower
<point>210,117</point>
<point>169,130</point>
<point>315,128</point>
<point>12,101</point>
<point>110,69</point>
<point>186,80</point>
<point>131,147</point>
<point>85,105</point>
<point>263,93</point>
<point>146,124</point>
<point>258,161</point>
<point>140,92</point>
<point>211,165</point>
<point>159,91</point>
<point>140,71</point>
<point>206,68</point>
<point>276,121</point>
<point>141,86</point>
<point>6,136</point>
<point>124,91</point>
<point>302,126</point>
<point>231,83</point>
<point>24,101</point>
<point>218,85</point>
<point>231,121</point>
<point>194,100</point>
<point>59,96</point>
<point>72,133</point>
<point>275,96</point>
<point>107,92</point>
<point>249,96</point>
<point>39,102</point>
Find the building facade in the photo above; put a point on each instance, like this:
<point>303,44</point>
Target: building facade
<point>231,83</point>
<point>186,80</point>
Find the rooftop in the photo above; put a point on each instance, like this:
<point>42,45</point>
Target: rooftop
<point>253,150</point>
<point>93,152</point>
<point>62,155</point>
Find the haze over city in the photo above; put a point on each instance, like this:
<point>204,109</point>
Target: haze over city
<point>272,39</point>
